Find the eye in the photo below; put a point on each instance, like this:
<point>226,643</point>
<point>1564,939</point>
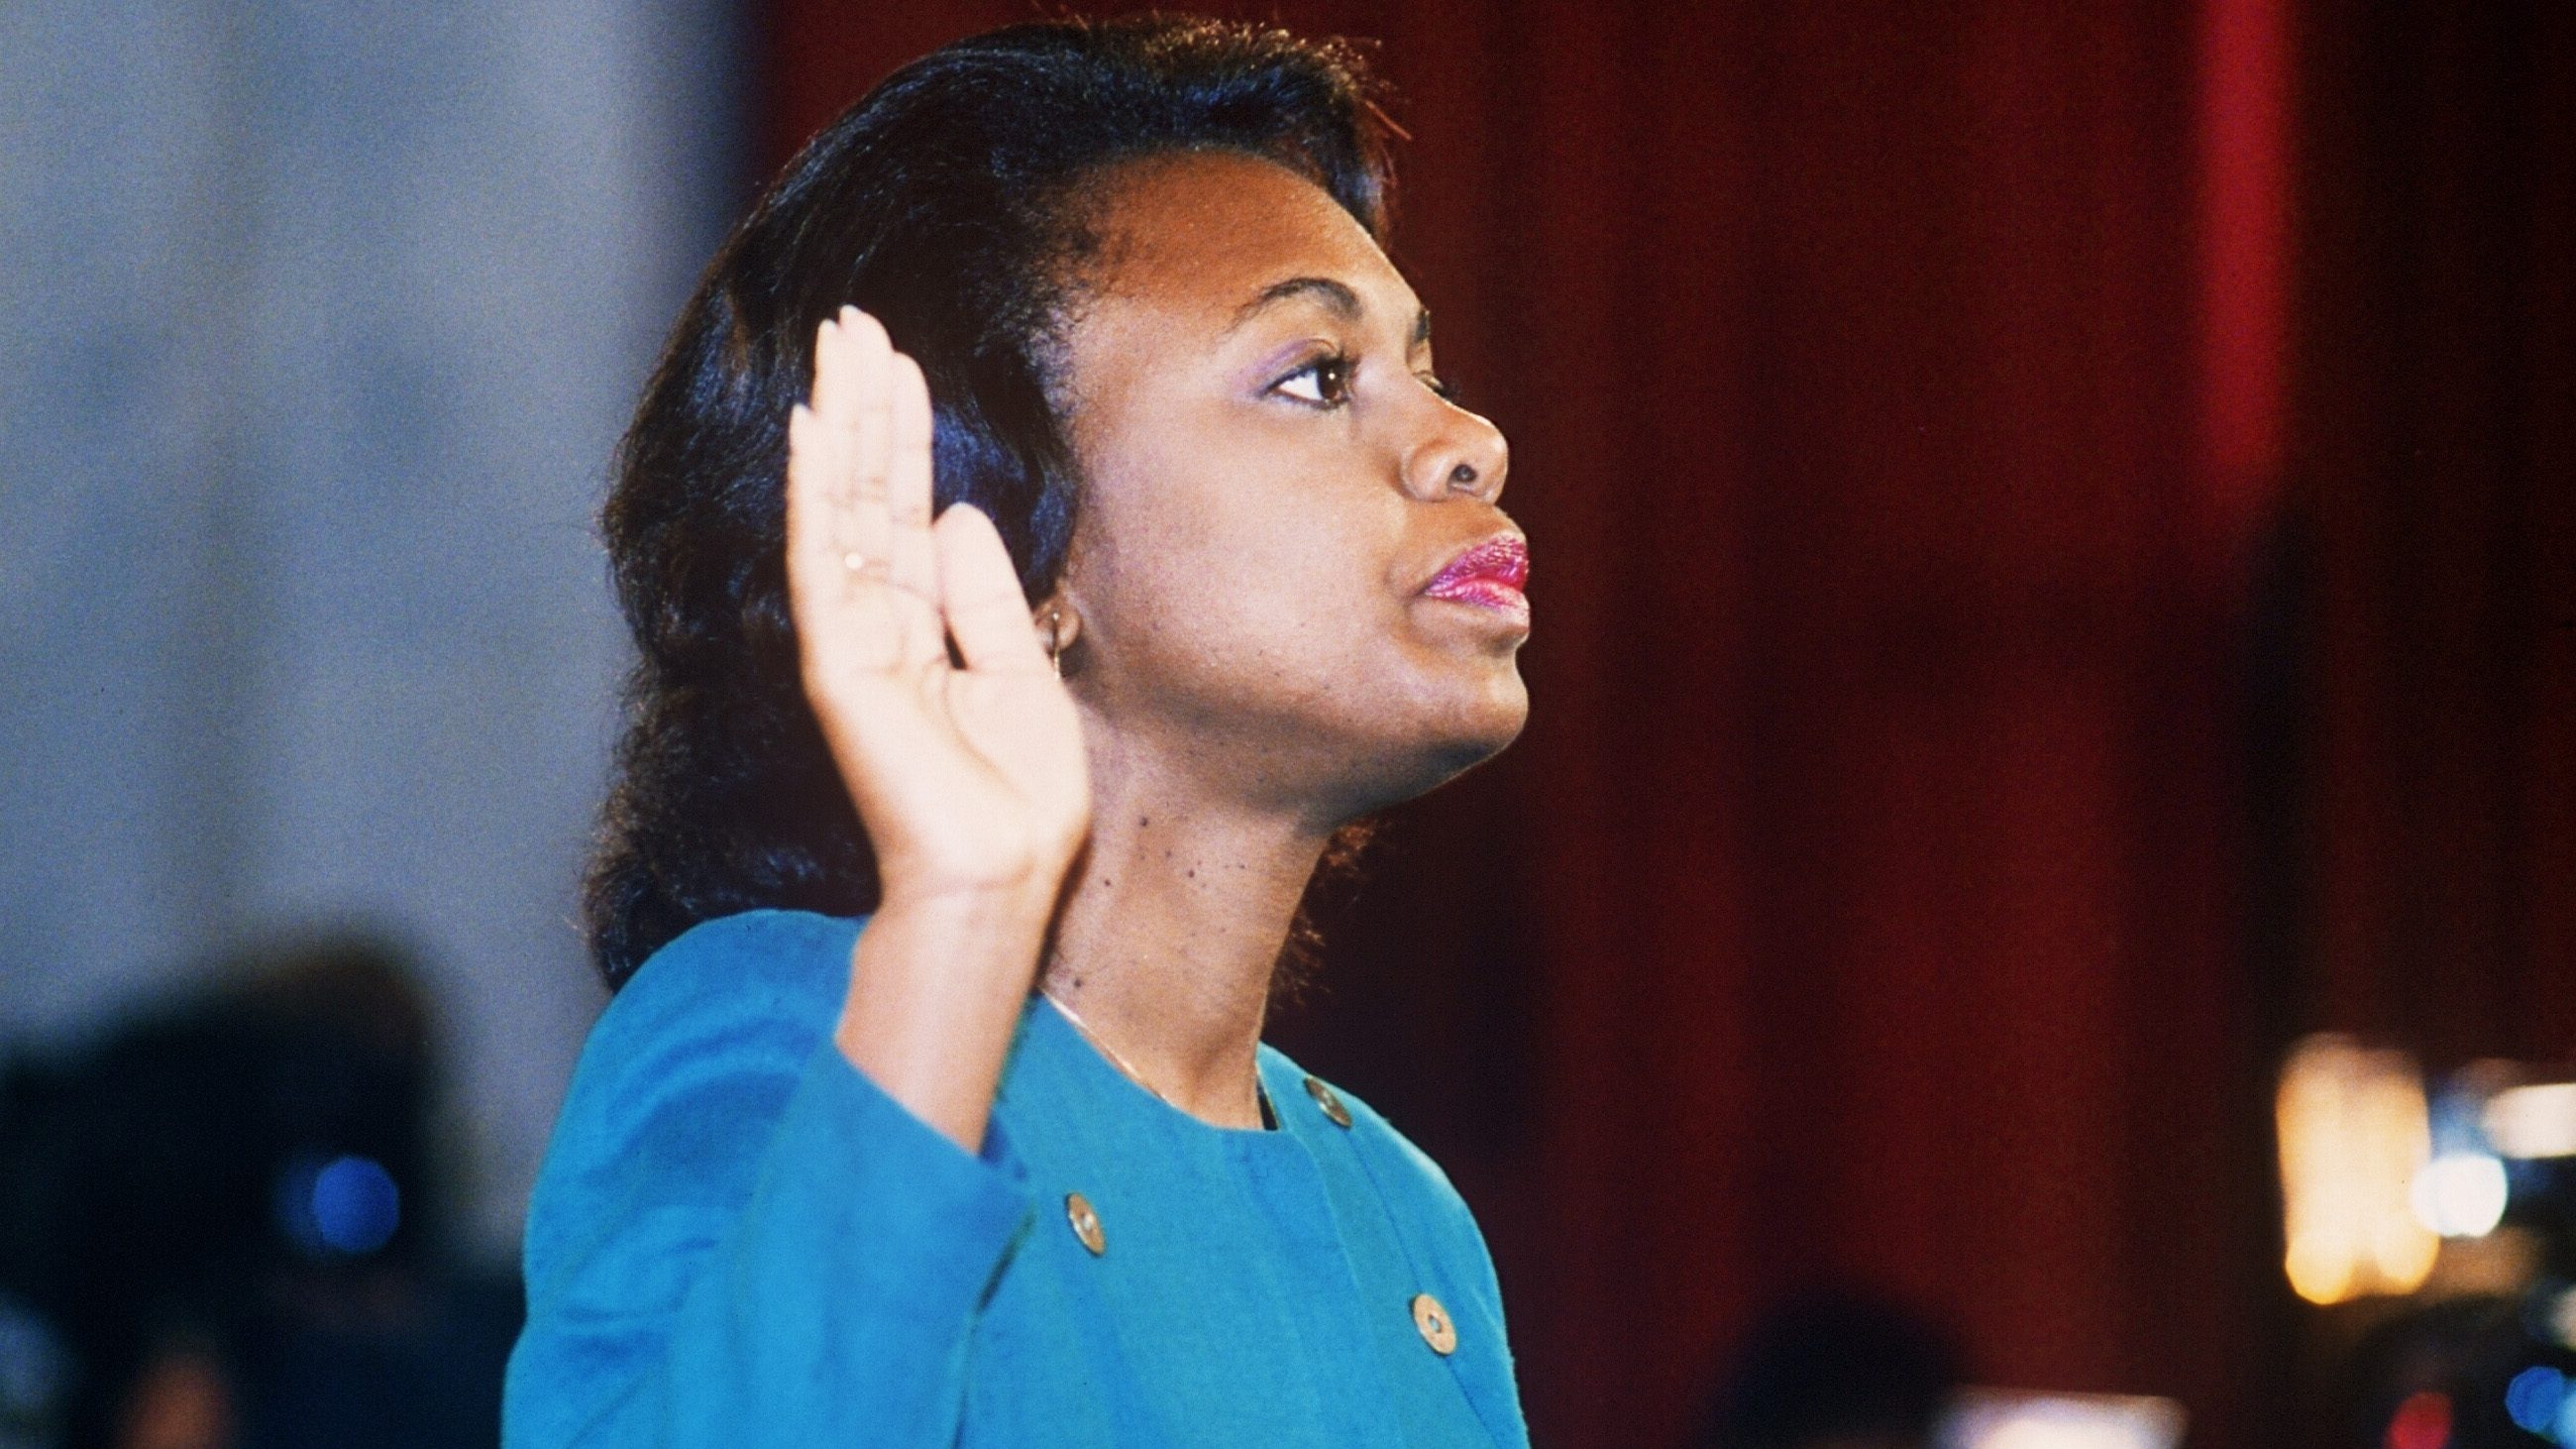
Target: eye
<point>1439,388</point>
<point>1324,382</point>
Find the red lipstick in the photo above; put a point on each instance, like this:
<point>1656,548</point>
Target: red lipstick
<point>1491,575</point>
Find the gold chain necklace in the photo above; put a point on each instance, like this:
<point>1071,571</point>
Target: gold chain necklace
<point>1260,1098</point>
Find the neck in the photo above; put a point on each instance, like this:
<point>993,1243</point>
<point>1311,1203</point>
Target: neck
<point>1169,932</point>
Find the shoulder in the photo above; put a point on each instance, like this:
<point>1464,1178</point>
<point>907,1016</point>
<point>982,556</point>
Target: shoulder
<point>713,1026</point>
<point>1411,1181</point>
<point>749,984</point>
<point>704,1043</point>
<point>746,965</point>
<point>738,999</point>
<point>1414,1188</point>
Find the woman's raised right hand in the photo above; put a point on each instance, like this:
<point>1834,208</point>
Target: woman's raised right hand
<point>970,779</point>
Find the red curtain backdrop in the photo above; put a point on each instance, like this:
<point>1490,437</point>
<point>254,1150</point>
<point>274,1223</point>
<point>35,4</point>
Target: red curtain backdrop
<point>1898,885</point>
<point>2435,512</point>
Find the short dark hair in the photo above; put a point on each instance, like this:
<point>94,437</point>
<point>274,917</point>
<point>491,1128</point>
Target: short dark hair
<point>945,202</point>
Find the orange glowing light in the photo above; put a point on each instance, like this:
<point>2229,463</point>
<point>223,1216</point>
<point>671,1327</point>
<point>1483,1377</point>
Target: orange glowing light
<point>2354,1135</point>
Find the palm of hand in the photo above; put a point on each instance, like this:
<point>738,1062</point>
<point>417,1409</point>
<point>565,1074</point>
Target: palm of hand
<point>967,778</point>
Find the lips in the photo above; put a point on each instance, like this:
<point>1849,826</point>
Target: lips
<point>1492,574</point>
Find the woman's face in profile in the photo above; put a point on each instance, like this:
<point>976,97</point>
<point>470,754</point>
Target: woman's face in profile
<point>1272,478</point>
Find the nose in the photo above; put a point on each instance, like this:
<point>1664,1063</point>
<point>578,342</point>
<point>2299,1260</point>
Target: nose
<point>1462,454</point>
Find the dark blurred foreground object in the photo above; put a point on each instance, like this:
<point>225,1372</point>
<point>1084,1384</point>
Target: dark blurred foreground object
<point>217,1227</point>
<point>2478,1372</point>
<point>1836,1370</point>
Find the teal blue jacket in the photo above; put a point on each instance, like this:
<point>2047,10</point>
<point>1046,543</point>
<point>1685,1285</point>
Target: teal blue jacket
<point>738,1240</point>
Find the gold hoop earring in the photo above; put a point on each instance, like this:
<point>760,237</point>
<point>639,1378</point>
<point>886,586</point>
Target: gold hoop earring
<point>1054,662</point>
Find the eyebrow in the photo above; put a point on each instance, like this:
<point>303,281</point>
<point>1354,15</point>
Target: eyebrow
<point>1333,296</point>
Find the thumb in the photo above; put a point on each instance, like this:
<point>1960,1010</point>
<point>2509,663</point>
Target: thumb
<point>979,594</point>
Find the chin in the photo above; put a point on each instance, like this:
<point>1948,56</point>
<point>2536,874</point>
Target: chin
<point>1495,719</point>
<point>1449,741</point>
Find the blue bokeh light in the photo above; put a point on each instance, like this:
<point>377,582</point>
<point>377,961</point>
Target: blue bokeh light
<point>343,1207</point>
<point>356,1206</point>
<point>2535,1399</point>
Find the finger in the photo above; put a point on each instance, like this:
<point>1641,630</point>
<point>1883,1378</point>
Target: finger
<point>910,554</point>
<point>844,618</point>
<point>843,385</point>
<point>839,616</point>
<point>980,595</point>
<point>808,539</point>
<point>869,423</point>
<point>816,463</point>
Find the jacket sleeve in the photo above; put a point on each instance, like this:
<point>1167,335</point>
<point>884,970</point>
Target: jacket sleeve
<point>737,1238</point>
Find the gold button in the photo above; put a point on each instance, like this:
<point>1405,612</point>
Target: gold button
<point>1086,1223</point>
<point>1433,1321</point>
<point>1331,1104</point>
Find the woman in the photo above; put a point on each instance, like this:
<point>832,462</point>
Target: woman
<point>939,1111</point>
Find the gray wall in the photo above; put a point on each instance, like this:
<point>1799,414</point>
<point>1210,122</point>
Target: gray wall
<point>320,322</point>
